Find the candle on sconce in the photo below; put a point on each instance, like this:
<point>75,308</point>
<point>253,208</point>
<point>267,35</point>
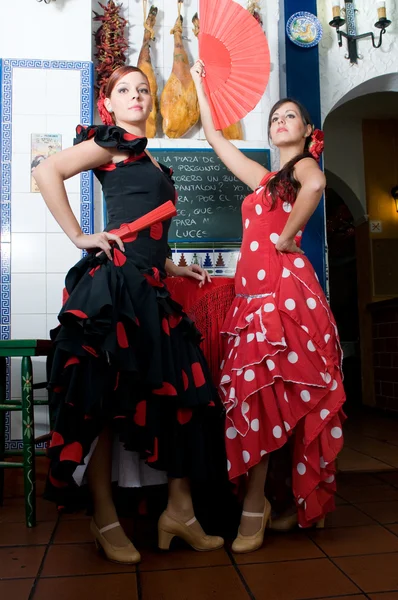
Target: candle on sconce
<point>336,9</point>
<point>381,10</point>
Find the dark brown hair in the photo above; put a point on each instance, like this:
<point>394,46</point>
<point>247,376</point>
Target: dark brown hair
<point>284,182</point>
<point>118,74</point>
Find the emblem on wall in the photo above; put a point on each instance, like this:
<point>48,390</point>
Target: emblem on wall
<point>304,29</point>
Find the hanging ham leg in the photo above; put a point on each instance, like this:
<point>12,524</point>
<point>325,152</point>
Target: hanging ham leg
<point>179,103</point>
<point>144,63</point>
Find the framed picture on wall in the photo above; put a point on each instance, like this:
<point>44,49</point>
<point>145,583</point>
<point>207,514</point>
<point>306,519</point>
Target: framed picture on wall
<point>43,146</point>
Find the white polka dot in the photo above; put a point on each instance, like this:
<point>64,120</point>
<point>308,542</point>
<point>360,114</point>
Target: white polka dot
<point>249,375</point>
<point>263,453</point>
<point>311,346</point>
<point>231,433</point>
<point>334,385</point>
<point>229,465</point>
<point>324,359</point>
<point>305,396</point>
<point>245,408</point>
<point>239,255</point>
<point>239,372</point>
<point>236,356</point>
<point>237,341</point>
<point>230,353</point>
<point>274,237</point>
<point>255,424</point>
<point>250,337</point>
<point>329,479</point>
<point>246,456</point>
<point>250,318</point>
<point>269,307</point>
<point>244,281</point>
<point>336,433</point>
<point>260,336</point>
<point>270,364</point>
<point>254,246</point>
<point>292,357</point>
<point>247,223</point>
<point>261,275</point>
<point>311,303</point>
<point>301,468</point>
<point>285,397</point>
<point>235,311</point>
<point>259,190</point>
<point>225,379</point>
<point>300,500</point>
<point>322,463</point>
<point>290,304</point>
<point>277,432</point>
<point>287,207</point>
<point>248,300</point>
<point>324,414</point>
<point>328,378</point>
<point>259,209</point>
<point>299,233</point>
<point>222,365</point>
<point>327,338</point>
<point>299,263</point>
<point>305,328</point>
<point>283,341</point>
<point>316,277</point>
<point>285,273</point>
<point>232,394</point>
<point>287,426</point>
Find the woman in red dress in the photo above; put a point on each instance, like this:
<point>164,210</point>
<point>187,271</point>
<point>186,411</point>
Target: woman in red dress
<point>281,379</point>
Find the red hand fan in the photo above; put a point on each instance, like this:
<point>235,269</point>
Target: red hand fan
<point>235,52</point>
<point>163,212</point>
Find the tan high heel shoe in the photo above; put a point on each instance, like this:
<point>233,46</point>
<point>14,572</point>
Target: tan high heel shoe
<point>250,543</point>
<point>124,555</point>
<point>168,528</point>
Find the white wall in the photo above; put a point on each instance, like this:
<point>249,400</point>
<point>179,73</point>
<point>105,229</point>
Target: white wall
<point>338,76</point>
<point>56,31</point>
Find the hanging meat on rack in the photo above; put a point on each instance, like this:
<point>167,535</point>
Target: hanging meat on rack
<point>179,102</point>
<point>145,64</point>
<point>235,131</point>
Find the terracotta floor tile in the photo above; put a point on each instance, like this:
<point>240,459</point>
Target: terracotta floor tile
<point>101,587</point>
<point>17,534</point>
<point>75,559</point>
<point>383,512</point>
<point>350,597</point>
<point>193,584</point>
<point>373,573</point>
<point>349,541</point>
<point>393,528</point>
<point>339,501</point>
<point>73,532</point>
<point>380,450</point>
<point>21,562</point>
<point>14,480</point>
<point>350,460</point>
<point>296,579</point>
<point>282,547</point>
<point>13,510</point>
<point>387,596</point>
<point>347,516</point>
<point>373,493</point>
<point>17,589</point>
<point>358,479</point>
<point>184,558</point>
<point>391,478</point>
<point>76,516</point>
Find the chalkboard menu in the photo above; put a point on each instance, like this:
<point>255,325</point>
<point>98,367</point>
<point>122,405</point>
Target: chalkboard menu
<point>209,196</point>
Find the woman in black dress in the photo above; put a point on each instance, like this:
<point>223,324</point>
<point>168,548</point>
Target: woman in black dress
<point>127,362</point>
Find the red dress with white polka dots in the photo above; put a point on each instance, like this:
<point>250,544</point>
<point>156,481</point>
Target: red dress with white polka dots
<point>282,371</point>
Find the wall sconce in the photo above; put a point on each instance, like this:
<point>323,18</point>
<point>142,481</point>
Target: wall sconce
<point>351,34</point>
<point>394,194</point>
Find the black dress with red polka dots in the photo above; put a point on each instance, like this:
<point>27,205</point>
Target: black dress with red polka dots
<point>125,353</point>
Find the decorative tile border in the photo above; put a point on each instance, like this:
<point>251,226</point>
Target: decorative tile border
<point>7,66</point>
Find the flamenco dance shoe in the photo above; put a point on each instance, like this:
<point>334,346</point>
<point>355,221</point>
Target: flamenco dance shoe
<point>168,528</point>
<point>250,543</point>
<point>124,555</point>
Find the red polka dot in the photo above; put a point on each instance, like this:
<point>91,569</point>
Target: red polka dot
<point>129,137</point>
<point>65,296</point>
<point>156,231</point>
<point>185,380</point>
<point>118,257</point>
<point>58,389</point>
<point>91,133</point>
<point>211,403</point>
<point>79,129</point>
<point>171,171</point>
<point>155,454</point>
<point>165,326</point>
<point>121,335</point>
<point>116,381</point>
<point>166,390</point>
<point>120,417</point>
<point>78,313</point>
<point>93,270</point>
<point>57,482</point>
<point>198,375</point>
<point>87,417</point>
<point>90,350</point>
<point>140,413</point>
<point>72,361</point>
<point>184,415</point>
<point>72,452</point>
<point>56,440</point>
<point>143,508</point>
<point>174,320</point>
<point>130,237</point>
<point>152,281</point>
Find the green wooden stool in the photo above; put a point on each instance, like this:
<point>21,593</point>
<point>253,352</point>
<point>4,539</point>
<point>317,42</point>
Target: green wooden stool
<point>24,349</point>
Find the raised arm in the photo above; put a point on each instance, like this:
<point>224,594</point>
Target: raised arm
<point>50,176</point>
<point>245,169</point>
<point>313,183</point>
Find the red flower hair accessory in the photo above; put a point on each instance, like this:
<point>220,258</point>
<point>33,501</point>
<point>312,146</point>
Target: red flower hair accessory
<point>317,144</point>
<point>105,115</point>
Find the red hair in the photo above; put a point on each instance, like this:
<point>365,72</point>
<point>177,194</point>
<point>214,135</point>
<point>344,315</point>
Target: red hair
<point>107,90</point>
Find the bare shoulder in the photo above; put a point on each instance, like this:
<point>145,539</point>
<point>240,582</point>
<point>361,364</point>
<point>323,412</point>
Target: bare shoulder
<point>307,169</point>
